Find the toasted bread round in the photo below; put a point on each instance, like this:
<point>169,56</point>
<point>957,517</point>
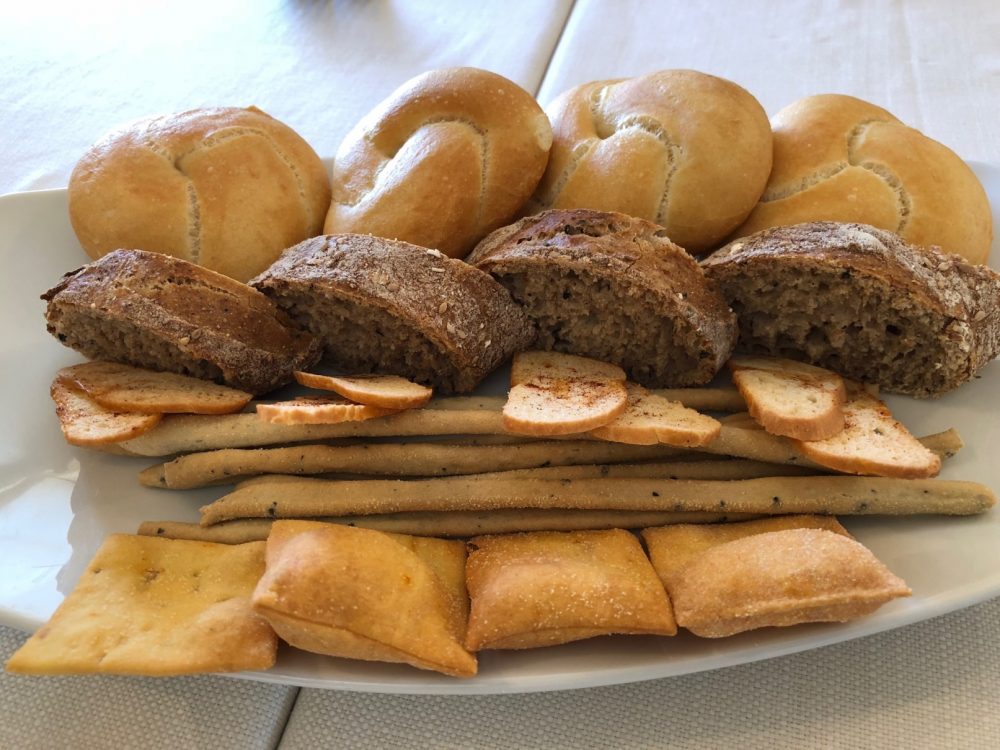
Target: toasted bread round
<point>650,419</point>
<point>318,411</point>
<point>791,398</point>
<point>562,394</point>
<point>872,442</point>
<point>386,391</point>
<point>85,422</point>
<point>131,389</point>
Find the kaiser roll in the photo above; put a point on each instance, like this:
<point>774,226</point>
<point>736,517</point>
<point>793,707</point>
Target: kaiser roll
<point>837,158</point>
<point>226,188</point>
<point>686,150</point>
<point>450,156</point>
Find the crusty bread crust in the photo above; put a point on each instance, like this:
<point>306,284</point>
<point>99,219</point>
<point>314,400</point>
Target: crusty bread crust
<point>159,312</point>
<point>466,317</point>
<point>938,313</point>
<point>448,157</point>
<point>633,256</point>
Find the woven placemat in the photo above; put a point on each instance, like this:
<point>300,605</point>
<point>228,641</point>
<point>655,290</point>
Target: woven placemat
<point>934,684</point>
<point>84,713</point>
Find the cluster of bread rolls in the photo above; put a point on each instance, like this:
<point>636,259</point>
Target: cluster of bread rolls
<point>453,154</point>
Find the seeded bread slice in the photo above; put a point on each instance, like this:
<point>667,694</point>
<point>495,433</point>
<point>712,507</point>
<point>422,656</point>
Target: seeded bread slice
<point>384,306</point>
<point>162,313</point>
<point>862,302</point>
<point>614,288</point>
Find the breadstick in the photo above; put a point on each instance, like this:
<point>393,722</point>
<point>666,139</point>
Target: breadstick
<point>389,459</point>
<point>702,469</point>
<point>446,524</point>
<point>459,415</point>
<point>299,497</point>
<point>185,433</point>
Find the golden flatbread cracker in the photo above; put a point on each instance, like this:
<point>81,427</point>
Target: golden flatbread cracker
<point>149,606</point>
<point>86,423</point>
<point>319,411</point>
<point>781,578</point>
<point>124,388</point>
<point>362,594</point>
<point>650,419</point>
<point>386,391</point>
<point>545,588</point>
<point>671,548</point>
<point>562,394</point>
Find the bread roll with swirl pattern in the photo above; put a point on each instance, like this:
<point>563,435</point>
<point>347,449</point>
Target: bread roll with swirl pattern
<point>683,149</point>
<point>447,158</point>
<point>838,158</point>
<point>225,188</point>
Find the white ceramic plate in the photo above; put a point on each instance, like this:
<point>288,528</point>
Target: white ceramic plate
<point>58,502</point>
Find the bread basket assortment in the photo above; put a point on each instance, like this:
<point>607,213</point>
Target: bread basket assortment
<point>620,250</point>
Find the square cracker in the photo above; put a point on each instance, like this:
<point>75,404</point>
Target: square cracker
<point>672,548</point>
<point>151,606</point>
<point>362,594</point>
<point>544,588</point>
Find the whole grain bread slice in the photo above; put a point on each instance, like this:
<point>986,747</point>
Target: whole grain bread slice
<point>383,306</point>
<point>162,313</point>
<point>614,288</point>
<point>862,302</point>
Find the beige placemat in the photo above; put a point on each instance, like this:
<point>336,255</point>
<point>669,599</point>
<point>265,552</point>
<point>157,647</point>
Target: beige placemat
<point>93,713</point>
<point>930,685</point>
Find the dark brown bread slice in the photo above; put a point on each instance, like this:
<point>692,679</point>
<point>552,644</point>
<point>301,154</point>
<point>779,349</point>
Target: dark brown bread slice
<point>385,306</point>
<point>163,313</point>
<point>862,302</point>
<point>614,288</point>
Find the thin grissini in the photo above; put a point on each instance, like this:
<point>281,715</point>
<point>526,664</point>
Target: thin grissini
<point>446,523</point>
<point>418,459</point>
<point>301,497</point>
<point>470,456</point>
<point>560,460</point>
<point>460,415</point>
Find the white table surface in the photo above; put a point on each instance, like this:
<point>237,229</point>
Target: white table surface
<point>70,71</point>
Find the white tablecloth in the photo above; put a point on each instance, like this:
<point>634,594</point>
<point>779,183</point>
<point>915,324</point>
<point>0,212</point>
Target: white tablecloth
<point>71,72</point>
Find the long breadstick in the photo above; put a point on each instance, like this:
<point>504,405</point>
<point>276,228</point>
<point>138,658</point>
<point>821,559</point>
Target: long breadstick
<point>450,524</point>
<point>390,459</point>
<point>183,474</point>
<point>298,497</point>
<point>726,469</point>
<point>459,415</point>
<point>472,455</point>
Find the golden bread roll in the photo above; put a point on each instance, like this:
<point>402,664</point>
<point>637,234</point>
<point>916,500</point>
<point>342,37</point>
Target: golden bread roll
<point>226,188</point>
<point>683,149</point>
<point>447,158</point>
<point>838,158</point>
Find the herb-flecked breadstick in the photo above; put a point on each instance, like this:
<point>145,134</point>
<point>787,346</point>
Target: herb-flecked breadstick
<point>300,497</point>
<point>446,523</point>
